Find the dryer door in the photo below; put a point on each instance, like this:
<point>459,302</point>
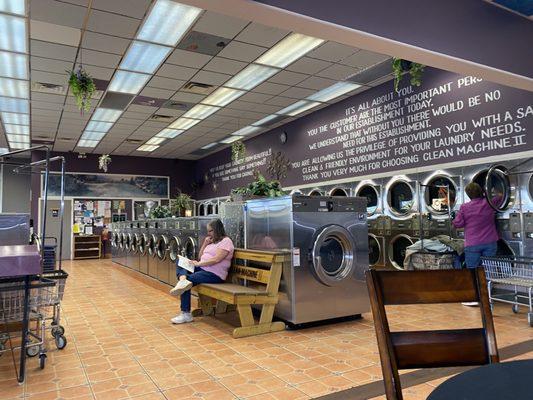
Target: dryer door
<point>142,244</point>
<point>152,240</point>
<point>135,243</point>
<point>375,251</point>
<point>497,187</point>
<point>189,250</point>
<point>174,248</point>
<point>162,247</point>
<point>397,248</point>
<point>333,255</point>
<point>372,198</point>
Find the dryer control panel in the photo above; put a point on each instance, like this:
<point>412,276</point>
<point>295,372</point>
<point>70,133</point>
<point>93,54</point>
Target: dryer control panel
<point>328,204</point>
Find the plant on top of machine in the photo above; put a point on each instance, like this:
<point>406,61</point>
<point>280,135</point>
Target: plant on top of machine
<point>399,66</point>
<point>160,212</point>
<point>180,203</point>
<point>260,187</point>
<point>83,88</point>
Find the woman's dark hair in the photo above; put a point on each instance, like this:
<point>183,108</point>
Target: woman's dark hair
<point>219,232</point>
<point>473,190</point>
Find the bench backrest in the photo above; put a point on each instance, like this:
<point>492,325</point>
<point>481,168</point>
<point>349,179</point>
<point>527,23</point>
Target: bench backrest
<point>266,270</point>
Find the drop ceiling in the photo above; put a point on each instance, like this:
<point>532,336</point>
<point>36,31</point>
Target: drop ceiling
<point>214,49</point>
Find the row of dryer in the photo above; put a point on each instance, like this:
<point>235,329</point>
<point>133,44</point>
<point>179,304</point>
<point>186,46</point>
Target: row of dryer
<point>152,246</point>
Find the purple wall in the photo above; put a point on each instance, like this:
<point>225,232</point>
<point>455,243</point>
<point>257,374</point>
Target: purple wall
<point>180,172</point>
<point>468,29</point>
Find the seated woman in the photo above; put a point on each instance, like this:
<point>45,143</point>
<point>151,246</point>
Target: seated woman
<point>215,259</point>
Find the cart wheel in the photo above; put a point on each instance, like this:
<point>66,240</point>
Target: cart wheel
<point>61,342</point>
<point>530,318</point>
<point>515,308</point>
<point>32,351</point>
<point>58,331</point>
<point>42,361</point>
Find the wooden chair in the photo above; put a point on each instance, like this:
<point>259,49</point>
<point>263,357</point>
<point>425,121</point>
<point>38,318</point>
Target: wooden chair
<point>429,349</point>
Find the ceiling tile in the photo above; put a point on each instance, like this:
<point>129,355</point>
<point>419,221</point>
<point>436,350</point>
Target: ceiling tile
<point>219,25</point>
<point>113,24</point>
<point>176,72</point>
<point>288,78</point>
<point>99,58</point>
<point>188,97</point>
<point>102,73</point>
<point>142,109</point>
<point>242,51</point>
<point>130,8</point>
<point>316,83</point>
<point>42,118</point>
<point>157,93</point>
<point>188,58</point>
<point>271,88</point>
<point>45,113</point>
<point>337,72</point>
<point>308,65</point>
<point>127,122</point>
<point>132,115</point>
<point>43,105</point>
<point>261,35</point>
<point>280,101</point>
<point>266,108</point>
<point>46,64</point>
<point>49,77</point>
<point>332,51</point>
<point>170,111</point>
<point>363,59</point>
<point>51,50</point>
<point>165,83</point>
<point>54,33</point>
<point>107,43</point>
<point>223,65</point>
<point>255,97</point>
<point>50,98</point>
<point>56,12</point>
<point>210,78</point>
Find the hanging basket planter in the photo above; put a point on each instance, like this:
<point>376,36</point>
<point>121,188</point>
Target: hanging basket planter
<point>238,150</point>
<point>103,162</point>
<point>400,66</point>
<point>83,88</point>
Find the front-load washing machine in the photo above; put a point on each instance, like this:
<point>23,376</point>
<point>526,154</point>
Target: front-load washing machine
<point>402,236</point>
<point>142,247</point>
<point>152,251</point>
<point>174,248</point>
<point>134,257</point>
<point>121,251</point>
<point>328,237</point>
<point>372,190</point>
<point>161,249</point>
<point>401,197</point>
<point>189,232</point>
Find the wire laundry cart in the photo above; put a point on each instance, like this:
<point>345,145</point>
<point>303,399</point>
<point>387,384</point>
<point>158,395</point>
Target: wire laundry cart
<point>516,272</point>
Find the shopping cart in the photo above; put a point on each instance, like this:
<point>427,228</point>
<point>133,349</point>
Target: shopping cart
<point>516,272</point>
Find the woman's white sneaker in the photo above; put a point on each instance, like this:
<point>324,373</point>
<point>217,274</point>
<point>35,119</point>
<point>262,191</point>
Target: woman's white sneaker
<point>182,318</point>
<point>181,286</point>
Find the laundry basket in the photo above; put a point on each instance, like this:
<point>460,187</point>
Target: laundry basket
<point>431,260</point>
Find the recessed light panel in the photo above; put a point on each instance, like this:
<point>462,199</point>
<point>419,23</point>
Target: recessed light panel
<point>14,118</point>
<point>298,108</point>
<point>18,138</point>
<point>98,126</point>
<point>289,50</point>
<point>200,111</point>
<point>167,22</point>
<point>144,57</point>
<point>147,147</point>
<point>17,129</point>
<point>106,114</point>
<point>13,33</point>
<point>247,130</point>
<point>156,140</point>
<point>19,145</point>
<point>13,6</point>
<point>14,88</point>
<point>169,133</point>
<point>3,150</point>
<point>251,76</point>
<point>333,91</point>
<point>222,96</point>
<point>183,123</point>
<point>10,104</point>
<point>231,139</point>
<point>88,135</point>
<point>265,120</point>
<point>208,146</point>
<point>87,143</point>
<point>13,65</point>
<point>128,82</point>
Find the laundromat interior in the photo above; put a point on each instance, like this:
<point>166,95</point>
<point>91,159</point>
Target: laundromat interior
<point>264,199</point>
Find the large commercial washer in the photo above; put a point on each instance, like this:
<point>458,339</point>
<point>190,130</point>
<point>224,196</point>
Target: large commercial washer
<point>402,236</point>
<point>133,255</point>
<point>329,242</point>
<point>174,248</point>
<point>161,250</point>
<point>151,247</point>
<point>189,233</point>
<point>142,247</point>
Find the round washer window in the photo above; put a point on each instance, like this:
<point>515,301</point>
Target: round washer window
<point>374,250</point>
<point>315,192</point>
<point>440,190</point>
<point>497,187</point>
<point>531,187</point>
<point>339,192</point>
<point>397,249</point>
<point>332,255</point>
<point>400,197</point>
<point>371,195</point>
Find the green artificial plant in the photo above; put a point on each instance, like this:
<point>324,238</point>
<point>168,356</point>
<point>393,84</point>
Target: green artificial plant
<point>83,88</point>
<point>160,212</point>
<point>399,66</point>
<point>238,150</point>
<point>180,203</point>
<point>260,187</point>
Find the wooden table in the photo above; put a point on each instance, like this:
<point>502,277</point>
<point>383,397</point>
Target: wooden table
<point>502,381</point>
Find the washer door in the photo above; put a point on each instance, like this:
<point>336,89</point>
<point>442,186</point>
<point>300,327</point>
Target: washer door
<point>127,242</point>
<point>121,240</point>
<point>141,246</point>
<point>161,247</point>
<point>114,239</point>
<point>374,250</point>
<point>189,249</point>
<point>401,197</point>
<point>397,248</point>
<point>440,190</point>
<point>135,243</point>
<point>372,196</point>
<point>174,248</point>
<point>152,240</point>
<point>497,188</point>
<point>333,255</point>
<point>338,191</point>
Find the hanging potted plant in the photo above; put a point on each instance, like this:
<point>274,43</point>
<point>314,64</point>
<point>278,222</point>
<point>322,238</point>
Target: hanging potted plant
<point>400,66</point>
<point>83,88</point>
<point>103,162</point>
<point>180,204</point>
<point>238,150</point>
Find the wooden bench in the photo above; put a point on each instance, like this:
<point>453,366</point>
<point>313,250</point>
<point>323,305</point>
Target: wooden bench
<point>262,285</point>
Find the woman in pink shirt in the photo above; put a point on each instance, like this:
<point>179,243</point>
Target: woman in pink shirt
<point>215,259</point>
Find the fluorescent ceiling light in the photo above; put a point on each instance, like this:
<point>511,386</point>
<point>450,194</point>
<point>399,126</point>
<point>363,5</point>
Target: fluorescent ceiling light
<point>14,88</point>
<point>19,146</point>
<point>93,135</point>
<point>13,65</point>
<point>128,82</point>
<point>17,119</point>
<point>169,133</point>
<point>88,143</point>
<point>13,6</point>
<point>98,126</point>
<point>231,139</point>
<point>18,129</point>
<point>298,107</point>
<point>156,140</point>
<point>147,147</point>
<point>265,120</point>
<point>167,22</point>
<point>10,104</point>
<point>246,131</point>
<point>13,33</point>
<point>333,91</point>
<point>200,111</point>
<point>251,76</point>
<point>222,96</point>
<point>208,146</point>
<point>288,50</point>
<point>144,57</point>
<point>3,150</point>
<point>183,123</point>
<point>106,114</point>
<point>18,138</point>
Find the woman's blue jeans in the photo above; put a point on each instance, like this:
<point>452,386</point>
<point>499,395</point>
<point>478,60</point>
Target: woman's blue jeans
<point>198,276</point>
<point>473,254</point>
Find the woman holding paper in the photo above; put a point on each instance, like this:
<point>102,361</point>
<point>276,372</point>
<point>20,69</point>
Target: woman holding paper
<point>215,259</point>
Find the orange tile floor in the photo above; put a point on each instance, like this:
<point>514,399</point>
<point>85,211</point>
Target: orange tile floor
<point>122,345</point>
